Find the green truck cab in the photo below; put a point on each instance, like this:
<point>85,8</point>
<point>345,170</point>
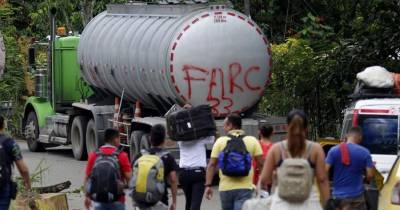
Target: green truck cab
<point>56,114</point>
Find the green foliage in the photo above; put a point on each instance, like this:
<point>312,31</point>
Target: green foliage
<point>22,19</point>
<point>330,41</point>
<point>12,85</point>
<point>302,78</point>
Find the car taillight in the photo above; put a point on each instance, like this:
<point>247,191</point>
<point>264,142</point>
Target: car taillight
<point>396,194</point>
<point>355,118</point>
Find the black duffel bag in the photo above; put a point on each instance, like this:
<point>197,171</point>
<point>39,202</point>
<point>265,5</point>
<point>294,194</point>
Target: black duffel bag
<point>191,124</point>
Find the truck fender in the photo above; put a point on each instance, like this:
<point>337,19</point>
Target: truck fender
<point>41,107</point>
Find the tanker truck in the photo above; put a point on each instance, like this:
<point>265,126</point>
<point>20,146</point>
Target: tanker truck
<point>145,58</point>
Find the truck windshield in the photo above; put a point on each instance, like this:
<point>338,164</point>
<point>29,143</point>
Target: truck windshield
<point>380,133</point>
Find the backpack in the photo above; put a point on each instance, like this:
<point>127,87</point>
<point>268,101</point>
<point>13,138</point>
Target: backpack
<point>147,183</point>
<point>235,160</point>
<point>5,173</point>
<point>295,176</point>
<point>105,184</point>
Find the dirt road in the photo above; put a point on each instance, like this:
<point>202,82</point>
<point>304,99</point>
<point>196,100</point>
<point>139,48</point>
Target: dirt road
<point>62,167</point>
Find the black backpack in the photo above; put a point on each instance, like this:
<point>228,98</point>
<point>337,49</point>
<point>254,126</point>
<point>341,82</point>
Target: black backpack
<point>105,184</point>
<point>235,160</point>
<point>5,170</point>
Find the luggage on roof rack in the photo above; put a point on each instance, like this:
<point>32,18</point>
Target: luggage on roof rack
<point>362,91</point>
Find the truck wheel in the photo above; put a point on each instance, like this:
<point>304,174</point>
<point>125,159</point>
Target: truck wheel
<point>78,137</point>
<point>134,147</point>
<point>91,137</point>
<point>145,142</point>
<point>32,133</point>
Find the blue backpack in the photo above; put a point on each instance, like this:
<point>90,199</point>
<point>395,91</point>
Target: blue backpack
<point>235,160</point>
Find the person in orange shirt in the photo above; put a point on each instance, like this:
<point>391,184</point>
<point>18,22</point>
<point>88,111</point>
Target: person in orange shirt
<point>265,134</point>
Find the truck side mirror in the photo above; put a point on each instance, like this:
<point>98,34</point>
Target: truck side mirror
<point>53,11</point>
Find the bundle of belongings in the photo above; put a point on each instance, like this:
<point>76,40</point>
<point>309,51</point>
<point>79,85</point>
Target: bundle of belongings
<point>378,78</point>
<point>191,123</point>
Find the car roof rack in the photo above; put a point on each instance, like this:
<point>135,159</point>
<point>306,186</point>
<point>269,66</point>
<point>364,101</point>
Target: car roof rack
<point>364,92</point>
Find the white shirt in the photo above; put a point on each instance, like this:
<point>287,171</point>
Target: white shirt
<point>193,153</point>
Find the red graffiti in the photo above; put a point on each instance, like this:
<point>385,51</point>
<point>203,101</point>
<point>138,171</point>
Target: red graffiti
<point>195,74</point>
<point>246,78</point>
<point>230,101</point>
<point>212,98</point>
<point>188,78</point>
<point>214,101</point>
<point>234,70</point>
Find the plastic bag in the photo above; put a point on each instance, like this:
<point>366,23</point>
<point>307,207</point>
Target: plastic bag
<point>377,77</point>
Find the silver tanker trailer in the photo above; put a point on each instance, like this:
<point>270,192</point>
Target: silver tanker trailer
<point>163,55</point>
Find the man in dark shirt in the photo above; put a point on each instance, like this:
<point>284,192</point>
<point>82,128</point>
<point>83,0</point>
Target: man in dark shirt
<point>11,154</point>
<point>157,140</point>
<point>349,161</point>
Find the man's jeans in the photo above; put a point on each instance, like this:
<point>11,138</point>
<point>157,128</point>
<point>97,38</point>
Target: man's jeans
<point>192,182</point>
<point>5,198</point>
<point>109,206</point>
<point>234,199</point>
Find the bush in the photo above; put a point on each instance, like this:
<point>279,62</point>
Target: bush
<point>307,79</point>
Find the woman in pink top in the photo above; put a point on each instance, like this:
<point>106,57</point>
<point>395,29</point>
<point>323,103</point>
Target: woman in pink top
<point>265,133</point>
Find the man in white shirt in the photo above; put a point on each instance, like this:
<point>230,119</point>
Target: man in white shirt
<point>193,163</point>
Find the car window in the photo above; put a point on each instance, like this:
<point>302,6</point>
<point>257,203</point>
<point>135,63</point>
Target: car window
<point>379,133</point>
<point>347,124</point>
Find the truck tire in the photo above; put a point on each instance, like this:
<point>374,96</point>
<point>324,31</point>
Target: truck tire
<point>32,133</point>
<point>145,142</point>
<point>91,137</point>
<point>78,137</point>
<point>134,147</point>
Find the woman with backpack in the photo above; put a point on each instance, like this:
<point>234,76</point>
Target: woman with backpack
<point>265,135</point>
<point>297,162</point>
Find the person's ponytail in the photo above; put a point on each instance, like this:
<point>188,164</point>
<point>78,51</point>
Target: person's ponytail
<point>297,132</point>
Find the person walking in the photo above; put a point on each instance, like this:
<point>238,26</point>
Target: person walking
<point>170,168</point>
<point>349,162</point>
<point>296,162</point>
<point>233,154</point>
<point>108,171</point>
<point>10,154</point>
<point>193,163</point>
<point>265,133</point>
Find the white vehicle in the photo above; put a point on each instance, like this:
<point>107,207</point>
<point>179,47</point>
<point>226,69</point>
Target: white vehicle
<point>379,120</point>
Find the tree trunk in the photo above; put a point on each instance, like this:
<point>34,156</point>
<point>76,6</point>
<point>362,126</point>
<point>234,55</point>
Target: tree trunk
<point>87,11</point>
<point>247,7</point>
<point>2,56</point>
<point>54,188</point>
